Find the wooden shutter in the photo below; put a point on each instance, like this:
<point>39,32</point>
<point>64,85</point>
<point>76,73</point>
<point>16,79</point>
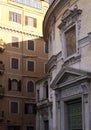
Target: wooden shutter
<point>9,84</point>
<point>35,22</point>
<point>26,20</point>
<point>19,18</point>
<point>19,85</point>
<point>10,15</point>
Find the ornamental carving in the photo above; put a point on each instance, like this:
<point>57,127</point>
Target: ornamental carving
<point>71,91</point>
<point>70,17</point>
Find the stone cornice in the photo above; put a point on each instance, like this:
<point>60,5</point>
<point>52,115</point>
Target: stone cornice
<point>20,31</point>
<point>52,62</point>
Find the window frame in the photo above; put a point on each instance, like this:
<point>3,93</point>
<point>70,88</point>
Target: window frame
<point>15,107</point>
<point>33,66</point>
<point>64,54</point>
<point>16,42</point>
<point>32,109</point>
<point>33,45</point>
<point>18,68</point>
<point>28,86</point>
<point>31,22</point>
<point>14,17</point>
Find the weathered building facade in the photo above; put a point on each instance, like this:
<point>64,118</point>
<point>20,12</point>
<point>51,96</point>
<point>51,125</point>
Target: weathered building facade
<point>24,59</point>
<point>67,30</point>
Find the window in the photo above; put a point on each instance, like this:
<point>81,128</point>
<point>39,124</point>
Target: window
<point>45,90</point>
<point>46,48</point>
<point>45,68</point>
<point>30,66</point>
<point>15,42</point>
<point>14,17</point>
<point>31,3</point>
<point>14,107</point>
<point>30,108</point>
<point>30,21</point>
<point>14,63</point>
<point>30,128</point>
<point>31,45</point>
<point>46,125</point>
<point>38,95</point>
<point>14,85</point>
<point>70,40</point>
<point>30,86</point>
<point>13,127</point>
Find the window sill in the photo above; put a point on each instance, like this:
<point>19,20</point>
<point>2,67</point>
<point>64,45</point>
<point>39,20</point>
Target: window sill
<point>72,59</point>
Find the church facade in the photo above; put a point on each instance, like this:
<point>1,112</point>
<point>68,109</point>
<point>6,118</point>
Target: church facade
<point>67,30</point>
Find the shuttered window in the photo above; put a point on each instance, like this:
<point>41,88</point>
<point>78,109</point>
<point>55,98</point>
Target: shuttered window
<point>15,17</point>
<point>14,85</point>
<point>30,21</point>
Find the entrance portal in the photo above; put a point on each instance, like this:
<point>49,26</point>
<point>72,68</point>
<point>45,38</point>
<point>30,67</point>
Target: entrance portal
<point>74,114</point>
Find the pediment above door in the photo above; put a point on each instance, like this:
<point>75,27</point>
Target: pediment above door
<point>68,76</point>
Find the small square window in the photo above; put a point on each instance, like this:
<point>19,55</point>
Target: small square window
<point>30,66</point>
<point>14,63</point>
<point>14,107</point>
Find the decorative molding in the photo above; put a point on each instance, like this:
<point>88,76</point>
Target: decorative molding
<point>72,60</point>
<point>80,76</point>
<point>70,17</point>
<point>85,41</point>
<point>18,31</point>
<point>51,63</point>
<point>71,91</point>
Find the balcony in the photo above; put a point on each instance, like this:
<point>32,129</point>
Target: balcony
<point>1,115</point>
<point>1,91</point>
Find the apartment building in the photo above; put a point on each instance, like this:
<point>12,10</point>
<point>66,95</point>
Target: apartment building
<point>23,58</point>
<point>67,30</point>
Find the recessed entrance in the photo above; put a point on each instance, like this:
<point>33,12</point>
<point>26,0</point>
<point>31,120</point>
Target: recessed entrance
<point>74,114</point>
